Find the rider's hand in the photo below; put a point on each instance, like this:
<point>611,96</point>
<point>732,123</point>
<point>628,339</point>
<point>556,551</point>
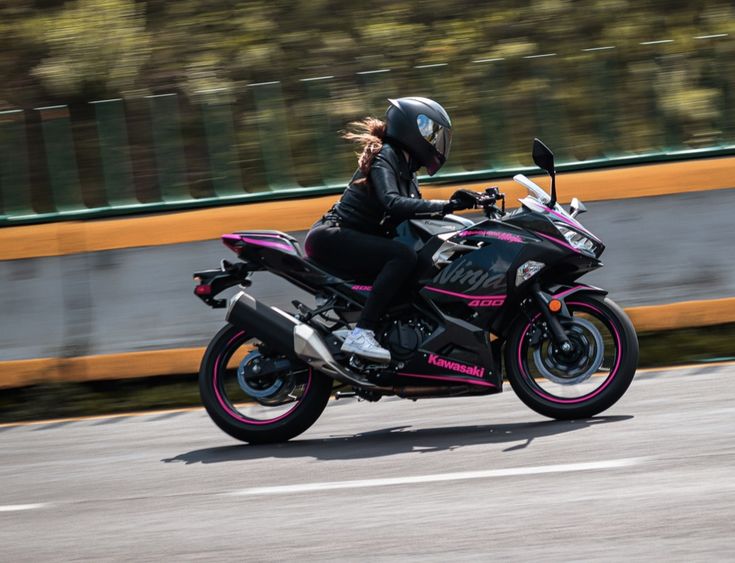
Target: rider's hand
<point>461,199</point>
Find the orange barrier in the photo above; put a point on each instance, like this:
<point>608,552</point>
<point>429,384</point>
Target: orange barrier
<point>17,373</point>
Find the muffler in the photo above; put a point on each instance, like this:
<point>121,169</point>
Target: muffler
<point>289,336</point>
<point>267,324</point>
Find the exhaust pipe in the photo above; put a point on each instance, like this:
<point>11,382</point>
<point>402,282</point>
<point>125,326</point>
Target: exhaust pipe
<point>288,335</point>
<point>269,325</point>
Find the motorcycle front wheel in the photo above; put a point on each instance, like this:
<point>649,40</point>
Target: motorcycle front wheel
<point>585,381</point>
<point>257,396</point>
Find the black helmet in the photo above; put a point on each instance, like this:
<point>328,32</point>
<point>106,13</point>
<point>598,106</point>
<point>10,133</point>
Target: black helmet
<point>423,128</point>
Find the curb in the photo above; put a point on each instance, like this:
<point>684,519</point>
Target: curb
<point>182,410</point>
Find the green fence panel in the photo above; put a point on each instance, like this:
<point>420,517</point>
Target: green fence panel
<point>726,84</point>
<point>114,152</point>
<point>324,129</point>
<point>550,123</point>
<point>377,86</point>
<point>602,90</point>
<point>15,194</point>
<point>221,146</point>
<point>728,110</point>
<point>673,137</point>
<point>61,159</point>
<point>169,147</point>
<point>493,96</point>
<point>273,129</point>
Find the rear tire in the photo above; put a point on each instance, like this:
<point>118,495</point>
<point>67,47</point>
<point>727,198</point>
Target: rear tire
<point>301,413</point>
<point>547,389</point>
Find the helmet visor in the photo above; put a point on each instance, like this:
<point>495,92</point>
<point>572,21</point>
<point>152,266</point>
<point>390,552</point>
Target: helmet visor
<point>439,136</point>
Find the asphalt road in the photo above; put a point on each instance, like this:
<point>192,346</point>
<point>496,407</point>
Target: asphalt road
<point>437,480</point>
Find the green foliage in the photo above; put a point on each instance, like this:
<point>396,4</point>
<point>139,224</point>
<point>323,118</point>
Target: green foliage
<point>94,45</point>
<point>634,98</point>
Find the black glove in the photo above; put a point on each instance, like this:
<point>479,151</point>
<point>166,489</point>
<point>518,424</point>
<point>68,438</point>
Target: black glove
<point>461,199</point>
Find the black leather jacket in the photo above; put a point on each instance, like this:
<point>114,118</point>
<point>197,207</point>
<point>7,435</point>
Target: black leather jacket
<point>390,196</point>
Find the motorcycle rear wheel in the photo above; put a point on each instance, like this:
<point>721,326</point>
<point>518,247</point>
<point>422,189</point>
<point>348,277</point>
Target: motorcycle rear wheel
<point>268,411</point>
<point>585,382</point>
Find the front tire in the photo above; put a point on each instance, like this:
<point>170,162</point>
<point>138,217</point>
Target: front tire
<point>586,381</point>
<point>275,410</point>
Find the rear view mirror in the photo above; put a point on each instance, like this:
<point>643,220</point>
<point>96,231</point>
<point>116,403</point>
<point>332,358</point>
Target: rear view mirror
<point>542,156</point>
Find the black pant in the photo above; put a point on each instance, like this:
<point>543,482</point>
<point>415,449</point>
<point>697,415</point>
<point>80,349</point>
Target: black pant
<point>387,263</point>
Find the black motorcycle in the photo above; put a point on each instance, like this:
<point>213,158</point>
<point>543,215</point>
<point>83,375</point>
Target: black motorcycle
<point>500,298</point>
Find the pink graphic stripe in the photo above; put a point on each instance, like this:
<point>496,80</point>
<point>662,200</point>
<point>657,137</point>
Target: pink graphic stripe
<point>267,235</point>
<point>568,220</point>
<point>225,405</point>
<point>479,382</point>
<point>576,224</point>
<point>568,291</point>
<point>559,400</point>
<point>557,241</point>
<point>279,246</point>
<point>462,295</point>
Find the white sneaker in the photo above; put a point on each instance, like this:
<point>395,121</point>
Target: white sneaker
<point>362,342</point>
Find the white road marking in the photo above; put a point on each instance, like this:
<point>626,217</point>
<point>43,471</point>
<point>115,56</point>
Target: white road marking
<point>17,507</point>
<point>656,42</point>
<point>600,48</point>
<point>459,476</point>
<point>540,56</point>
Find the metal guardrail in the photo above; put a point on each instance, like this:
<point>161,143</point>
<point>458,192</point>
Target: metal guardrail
<point>253,153</point>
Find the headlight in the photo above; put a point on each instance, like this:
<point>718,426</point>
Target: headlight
<point>577,240</point>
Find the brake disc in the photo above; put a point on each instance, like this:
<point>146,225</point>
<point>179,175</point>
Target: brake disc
<point>580,330</point>
<point>269,387</point>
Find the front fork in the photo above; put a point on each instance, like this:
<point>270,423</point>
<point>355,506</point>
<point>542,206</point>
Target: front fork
<point>552,310</point>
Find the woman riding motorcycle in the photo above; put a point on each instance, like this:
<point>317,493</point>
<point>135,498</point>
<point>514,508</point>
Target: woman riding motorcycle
<point>355,235</point>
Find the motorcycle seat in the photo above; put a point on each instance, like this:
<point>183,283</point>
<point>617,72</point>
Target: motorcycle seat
<point>286,243</point>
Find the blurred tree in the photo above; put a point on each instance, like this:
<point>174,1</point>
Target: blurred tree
<point>475,57</point>
<point>93,46</point>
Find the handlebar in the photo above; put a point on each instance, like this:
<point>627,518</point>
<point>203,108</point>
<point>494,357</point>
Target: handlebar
<point>486,201</point>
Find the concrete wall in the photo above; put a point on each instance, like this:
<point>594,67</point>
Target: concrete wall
<point>659,250</point>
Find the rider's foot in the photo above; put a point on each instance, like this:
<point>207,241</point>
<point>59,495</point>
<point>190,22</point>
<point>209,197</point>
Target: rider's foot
<point>362,342</point>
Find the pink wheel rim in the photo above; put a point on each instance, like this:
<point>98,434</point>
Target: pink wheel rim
<point>220,364</point>
<point>559,400</point>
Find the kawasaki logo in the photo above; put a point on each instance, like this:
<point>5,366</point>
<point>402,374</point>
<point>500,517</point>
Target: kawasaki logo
<point>475,371</point>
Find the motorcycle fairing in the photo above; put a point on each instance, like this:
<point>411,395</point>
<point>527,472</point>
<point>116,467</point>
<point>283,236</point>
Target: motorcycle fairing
<point>457,351</point>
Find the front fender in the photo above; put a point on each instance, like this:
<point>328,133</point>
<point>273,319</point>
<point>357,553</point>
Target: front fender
<point>562,291</point>
<point>559,291</point>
